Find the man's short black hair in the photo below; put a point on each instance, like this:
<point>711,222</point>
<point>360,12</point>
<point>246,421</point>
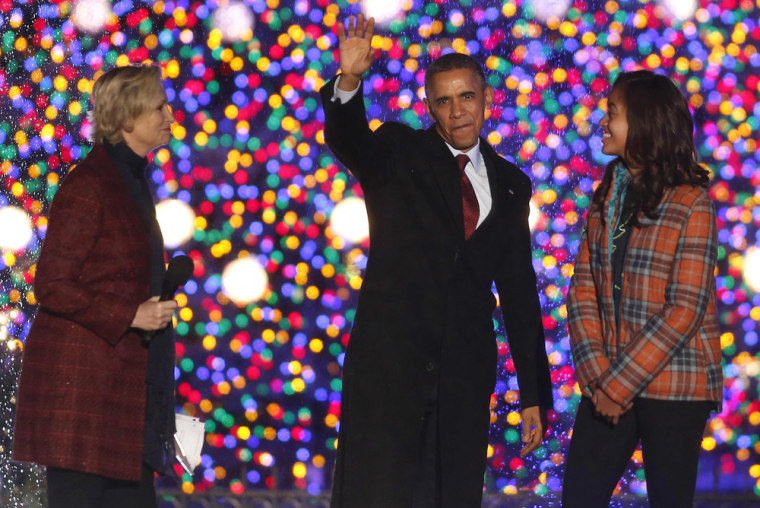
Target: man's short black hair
<point>451,62</point>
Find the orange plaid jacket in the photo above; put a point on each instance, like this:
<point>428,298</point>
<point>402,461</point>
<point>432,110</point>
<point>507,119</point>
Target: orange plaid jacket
<point>668,345</point>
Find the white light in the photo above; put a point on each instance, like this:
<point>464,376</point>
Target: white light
<point>533,216</point>
<point>751,270</point>
<point>91,15</point>
<point>681,9</point>
<point>544,10</point>
<point>3,326</point>
<point>244,280</point>
<point>384,11</point>
<point>16,230</point>
<point>177,222</point>
<point>235,21</point>
<point>349,220</point>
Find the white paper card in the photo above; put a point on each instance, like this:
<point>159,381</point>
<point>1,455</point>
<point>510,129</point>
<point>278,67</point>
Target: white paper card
<point>188,441</point>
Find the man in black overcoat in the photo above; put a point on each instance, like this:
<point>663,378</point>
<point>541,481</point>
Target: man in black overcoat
<point>420,366</point>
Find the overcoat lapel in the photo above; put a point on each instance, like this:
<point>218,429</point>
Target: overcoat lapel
<point>447,177</point>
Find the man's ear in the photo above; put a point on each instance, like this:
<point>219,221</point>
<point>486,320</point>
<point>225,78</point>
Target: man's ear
<point>488,92</point>
<point>429,109</point>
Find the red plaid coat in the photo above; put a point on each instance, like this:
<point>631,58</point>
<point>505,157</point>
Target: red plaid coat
<point>668,345</point>
<point>81,400</point>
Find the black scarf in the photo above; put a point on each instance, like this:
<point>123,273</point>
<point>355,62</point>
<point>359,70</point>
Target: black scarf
<point>158,450</point>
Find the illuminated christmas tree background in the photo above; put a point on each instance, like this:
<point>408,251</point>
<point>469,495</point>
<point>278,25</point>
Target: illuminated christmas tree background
<point>276,226</point>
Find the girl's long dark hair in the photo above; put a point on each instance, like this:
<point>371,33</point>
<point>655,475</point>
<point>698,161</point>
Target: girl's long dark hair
<point>660,141</point>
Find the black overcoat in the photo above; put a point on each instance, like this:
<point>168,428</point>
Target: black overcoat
<point>425,312</point>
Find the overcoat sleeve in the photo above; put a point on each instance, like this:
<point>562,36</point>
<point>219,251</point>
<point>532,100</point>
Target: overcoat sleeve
<point>73,228</point>
<point>521,310</point>
<point>370,156</point>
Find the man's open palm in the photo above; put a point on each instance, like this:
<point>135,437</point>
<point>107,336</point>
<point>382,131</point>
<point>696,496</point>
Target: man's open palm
<point>356,54</point>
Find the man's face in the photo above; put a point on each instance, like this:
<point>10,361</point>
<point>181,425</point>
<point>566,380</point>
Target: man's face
<point>457,102</point>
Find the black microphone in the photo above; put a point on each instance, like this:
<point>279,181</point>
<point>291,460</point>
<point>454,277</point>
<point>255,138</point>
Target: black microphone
<point>177,273</point>
<point>180,269</point>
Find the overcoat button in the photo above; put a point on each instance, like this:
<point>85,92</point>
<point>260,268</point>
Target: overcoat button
<point>430,366</point>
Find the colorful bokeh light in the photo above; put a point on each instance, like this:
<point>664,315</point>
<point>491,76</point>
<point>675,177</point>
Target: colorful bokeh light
<point>249,159</point>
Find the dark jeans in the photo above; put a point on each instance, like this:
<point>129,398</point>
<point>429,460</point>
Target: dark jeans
<point>75,489</point>
<point>670,434</point>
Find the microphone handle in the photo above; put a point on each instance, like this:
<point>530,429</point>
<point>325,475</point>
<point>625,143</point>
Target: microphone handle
<point>166,295</point>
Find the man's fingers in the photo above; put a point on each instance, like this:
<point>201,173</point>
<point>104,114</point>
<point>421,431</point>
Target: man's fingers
<point>526,436</point>
<point>351,27</point>
<point>360,25</point>
<point>539,430</point>
<point>534,439</point>
<point>532,429</point>
<point>341,33</point>
<point>370,30</point>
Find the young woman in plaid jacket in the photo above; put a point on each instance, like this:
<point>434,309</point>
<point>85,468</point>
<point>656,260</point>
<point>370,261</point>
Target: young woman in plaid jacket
<point>641,304</point>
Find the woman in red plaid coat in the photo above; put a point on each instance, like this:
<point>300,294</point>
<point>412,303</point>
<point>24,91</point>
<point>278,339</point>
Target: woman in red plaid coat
<point>641,305</point>
<point>96,397</point>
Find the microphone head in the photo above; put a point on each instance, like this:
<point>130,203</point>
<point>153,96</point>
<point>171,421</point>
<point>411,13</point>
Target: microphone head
<point>179,271</point>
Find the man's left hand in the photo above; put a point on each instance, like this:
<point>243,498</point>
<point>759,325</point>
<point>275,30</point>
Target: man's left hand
<point>534,427</point>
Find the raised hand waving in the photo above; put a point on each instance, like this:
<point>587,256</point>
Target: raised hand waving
<point>356,54</point>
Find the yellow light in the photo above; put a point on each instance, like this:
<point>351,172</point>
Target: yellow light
<point>243,433</point>
<point>172,69</point>
<point>299,470</point>
<point>513,418</point>
<point>316,345</point>
<point>209,126</point>
<point>209,342</point>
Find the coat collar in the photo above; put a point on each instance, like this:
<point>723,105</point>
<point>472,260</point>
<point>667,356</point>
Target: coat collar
<point>116,190</point>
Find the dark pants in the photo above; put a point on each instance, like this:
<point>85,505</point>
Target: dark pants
<point>427,490</point>
<point>75,489</point>
<point>670,434</point>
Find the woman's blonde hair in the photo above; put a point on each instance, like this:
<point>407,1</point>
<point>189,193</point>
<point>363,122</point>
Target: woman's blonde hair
<point>121,95</point>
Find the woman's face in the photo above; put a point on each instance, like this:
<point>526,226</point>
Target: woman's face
<point>615,125</point>
<point>152,128</point>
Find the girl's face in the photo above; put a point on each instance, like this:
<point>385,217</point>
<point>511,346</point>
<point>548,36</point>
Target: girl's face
<point>615,125</point>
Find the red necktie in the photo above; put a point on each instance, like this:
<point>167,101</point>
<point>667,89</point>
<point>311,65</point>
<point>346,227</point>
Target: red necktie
<point>469,199</point>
